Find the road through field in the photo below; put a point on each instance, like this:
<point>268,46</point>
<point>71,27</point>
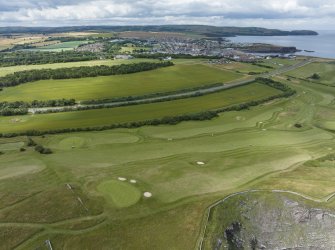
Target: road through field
<point>187,94</point>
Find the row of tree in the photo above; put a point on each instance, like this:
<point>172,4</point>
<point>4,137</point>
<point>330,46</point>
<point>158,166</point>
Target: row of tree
<point>21,77</point>
<point>38,148</point>
<point>21,108</point>
<point>208,115</point>
<point>30,57</point>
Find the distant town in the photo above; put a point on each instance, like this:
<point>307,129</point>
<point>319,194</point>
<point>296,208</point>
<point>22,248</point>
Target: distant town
<point>169,47</point>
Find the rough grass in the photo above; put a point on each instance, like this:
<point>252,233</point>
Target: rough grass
<point>161,80</point>
<point>325,70</point>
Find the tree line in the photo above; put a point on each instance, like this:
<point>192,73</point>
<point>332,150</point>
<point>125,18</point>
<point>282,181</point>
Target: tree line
<point>21,108</point>
<point>21,77</point>
<point>207,115</point>
<point>31,57</point>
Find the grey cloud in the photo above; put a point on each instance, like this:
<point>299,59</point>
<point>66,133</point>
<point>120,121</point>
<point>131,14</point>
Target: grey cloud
<point>63,12</point>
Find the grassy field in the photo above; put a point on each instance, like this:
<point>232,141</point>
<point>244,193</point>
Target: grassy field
<point>161,80</point>
<point>10,70</point>
<point>247,68</point>
<point>62,46</point>
<point>255,148</point>
<point>141,112</point>
<point>324,70</point>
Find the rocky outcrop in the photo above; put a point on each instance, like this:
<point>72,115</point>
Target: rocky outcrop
<point>274,221</point>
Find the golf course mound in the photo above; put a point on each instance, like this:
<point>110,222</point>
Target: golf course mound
<point>118,193</point>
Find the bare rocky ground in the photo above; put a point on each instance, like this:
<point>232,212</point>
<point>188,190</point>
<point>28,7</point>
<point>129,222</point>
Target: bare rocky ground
<point>275,221</point>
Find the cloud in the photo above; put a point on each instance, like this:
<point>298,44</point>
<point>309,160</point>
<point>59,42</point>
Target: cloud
<point>268,13</point>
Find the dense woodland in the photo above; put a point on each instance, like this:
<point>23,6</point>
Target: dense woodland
<point>21,77</point>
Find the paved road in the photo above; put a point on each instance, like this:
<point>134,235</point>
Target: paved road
<point>209,90</point>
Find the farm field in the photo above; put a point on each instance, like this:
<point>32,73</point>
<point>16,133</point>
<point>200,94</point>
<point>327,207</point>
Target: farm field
<point>63,46</point>
<point>10,70</point>
<point>6,43</point>
<point>141,112</point>
<point>172,78</point>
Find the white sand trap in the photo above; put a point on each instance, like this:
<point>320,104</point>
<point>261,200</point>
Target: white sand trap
<point>133,181</point>
<point>147,194</point>
<point>264,129</point>
<point>121,179</point>
<point>200,163</point>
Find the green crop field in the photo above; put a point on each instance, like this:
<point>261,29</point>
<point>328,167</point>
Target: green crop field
<point>81,196</point>
<point>141,112</point>
<point>161,80</point>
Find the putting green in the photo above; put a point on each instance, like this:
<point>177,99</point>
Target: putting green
<point>120,194</point>
<point>70,142</point>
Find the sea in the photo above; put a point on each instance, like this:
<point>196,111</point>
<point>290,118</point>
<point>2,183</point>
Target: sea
<point>322,45</point>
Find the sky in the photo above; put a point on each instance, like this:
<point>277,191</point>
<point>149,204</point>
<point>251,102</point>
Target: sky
<point>283,14</point>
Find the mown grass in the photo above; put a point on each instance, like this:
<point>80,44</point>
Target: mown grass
<point>166,79</point>
<point>119,193</point>
<point>141,112</point>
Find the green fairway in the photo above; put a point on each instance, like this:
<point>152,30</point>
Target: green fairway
<point>119,193</point>
<point>141,112</point>
<point>161,80</point>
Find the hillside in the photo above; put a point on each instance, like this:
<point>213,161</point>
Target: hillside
<point>210,31</point>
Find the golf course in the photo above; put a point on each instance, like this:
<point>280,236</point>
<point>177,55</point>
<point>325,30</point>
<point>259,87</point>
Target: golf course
<point>154,175</point>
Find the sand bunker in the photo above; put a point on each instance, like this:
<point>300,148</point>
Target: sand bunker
<point>147,194</point>
<point>200,163</point>
<point>133,181</point>
<point>121,179</point>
